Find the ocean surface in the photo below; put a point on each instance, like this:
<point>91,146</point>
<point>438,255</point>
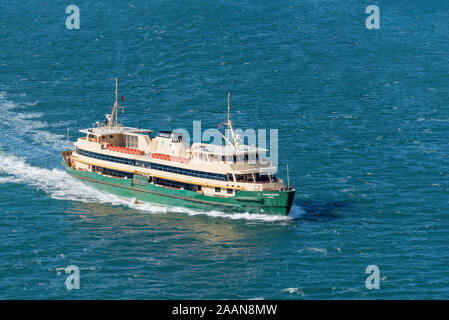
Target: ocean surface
<point>363,122</point>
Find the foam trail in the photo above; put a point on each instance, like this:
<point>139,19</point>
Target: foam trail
<point>18,125</point>
<point>55,183</point>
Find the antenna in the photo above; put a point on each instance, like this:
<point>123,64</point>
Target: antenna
<point>114,109</point>
<point>116,103</point>
<point>229,124</point>
<point>229,107</point>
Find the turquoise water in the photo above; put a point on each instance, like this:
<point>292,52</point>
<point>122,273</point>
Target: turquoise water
<point>362,117</point>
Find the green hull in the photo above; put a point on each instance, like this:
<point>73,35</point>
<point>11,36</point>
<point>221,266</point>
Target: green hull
<point>266,202</point>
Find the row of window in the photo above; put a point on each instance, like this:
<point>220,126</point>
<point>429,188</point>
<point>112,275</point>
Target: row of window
<point>188,172</point>
<point>175,184</point>
<point>155,166</point>
<point>113,173</point>
<point>105,157</point>
<point>241,158</point>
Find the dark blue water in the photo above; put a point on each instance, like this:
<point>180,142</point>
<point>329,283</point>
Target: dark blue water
<point>363,123</point>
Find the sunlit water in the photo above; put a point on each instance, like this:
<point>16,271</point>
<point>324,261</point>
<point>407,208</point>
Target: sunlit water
<point>362,118</point>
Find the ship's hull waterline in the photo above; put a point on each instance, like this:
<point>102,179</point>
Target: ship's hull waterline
<point>262,202</point>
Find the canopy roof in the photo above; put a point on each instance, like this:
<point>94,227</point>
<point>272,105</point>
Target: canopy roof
<point>114,130</point>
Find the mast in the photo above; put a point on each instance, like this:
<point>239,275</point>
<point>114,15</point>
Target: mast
<point>116,104</point>
<point>229,121</point>
<point>114,109</point>
<point>229,124</point>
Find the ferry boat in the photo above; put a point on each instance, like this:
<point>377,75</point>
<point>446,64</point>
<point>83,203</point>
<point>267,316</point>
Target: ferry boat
<point>163,169</point>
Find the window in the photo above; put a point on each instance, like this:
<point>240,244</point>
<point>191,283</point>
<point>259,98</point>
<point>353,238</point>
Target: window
<point>217,189</point>
<point>143,164</point>
<point>261,177</point>
<point>239,177</point>
<point>230,191</point>
<point>131,141</point>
